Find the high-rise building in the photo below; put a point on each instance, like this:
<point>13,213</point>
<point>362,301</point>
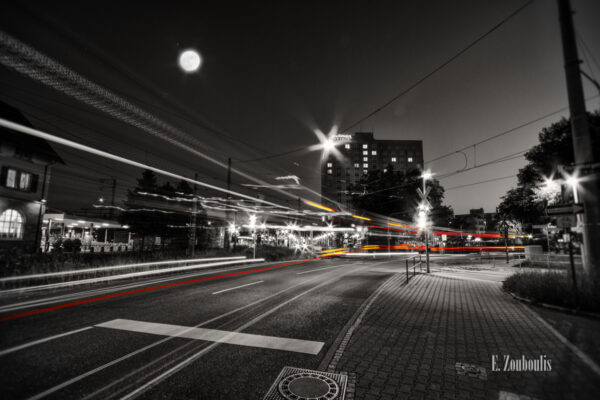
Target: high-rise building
<point>362,153</point>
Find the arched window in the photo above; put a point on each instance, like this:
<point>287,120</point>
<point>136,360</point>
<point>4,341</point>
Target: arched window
<point>11,225</point>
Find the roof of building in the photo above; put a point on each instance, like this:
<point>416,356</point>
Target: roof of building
<point>25,143</point>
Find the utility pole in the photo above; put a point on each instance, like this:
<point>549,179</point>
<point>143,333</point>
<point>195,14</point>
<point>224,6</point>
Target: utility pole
<point>112,197</point>
<point>226,235</point>
<point>192,243</point>
<point>582,146</point>
<point>426,228</point>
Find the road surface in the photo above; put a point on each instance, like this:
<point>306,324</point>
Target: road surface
<point>181,336</point>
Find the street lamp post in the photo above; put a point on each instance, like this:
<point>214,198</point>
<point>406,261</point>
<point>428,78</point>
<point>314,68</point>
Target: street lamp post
<point>426,175</point>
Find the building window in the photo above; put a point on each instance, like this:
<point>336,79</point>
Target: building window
<point>365,152</point>
<point>393,159</point>
<point>347,146</point>
<point>384,170</point>
<point>365,146</point>
<point>11,225</point>
<point>365,158</point>
<point>329,165</point>
<point>409,159</point>
<point>365,165</point>
<point>14,179</point>
<point>374,152</point>
<point>365,171</point>
<point>25,181</point>
<point>356,165</point>
<point>11,178</point>
<point>329,171</point>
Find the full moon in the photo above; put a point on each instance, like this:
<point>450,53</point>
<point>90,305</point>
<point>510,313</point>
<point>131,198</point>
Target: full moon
<point>190,61</point>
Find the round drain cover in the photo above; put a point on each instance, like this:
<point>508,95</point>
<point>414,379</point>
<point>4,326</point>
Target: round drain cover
<point>308,386</point>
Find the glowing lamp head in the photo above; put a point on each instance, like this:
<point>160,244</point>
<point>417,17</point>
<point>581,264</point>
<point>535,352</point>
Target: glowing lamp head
<point>426,175</point>
<point>190,61</point>
<point>573,181</point>
<point>328,145</point>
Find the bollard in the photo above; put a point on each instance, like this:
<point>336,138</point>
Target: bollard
<point>407,270</point>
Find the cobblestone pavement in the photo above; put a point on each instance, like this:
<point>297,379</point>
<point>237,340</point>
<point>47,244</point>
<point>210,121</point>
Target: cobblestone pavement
<point>434,338</point>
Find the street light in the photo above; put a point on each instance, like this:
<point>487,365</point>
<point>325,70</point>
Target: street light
<point>425,175</point>
<point>573,181</point>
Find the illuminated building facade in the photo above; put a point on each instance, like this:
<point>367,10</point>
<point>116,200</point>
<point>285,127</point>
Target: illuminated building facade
<point>362,153</point>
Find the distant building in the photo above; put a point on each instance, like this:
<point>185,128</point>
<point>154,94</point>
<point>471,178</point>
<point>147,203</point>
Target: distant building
<point>363,153</point>
<point>25,163</point>
<point>476,221</point>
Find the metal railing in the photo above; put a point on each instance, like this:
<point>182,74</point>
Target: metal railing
<point>415,263</point>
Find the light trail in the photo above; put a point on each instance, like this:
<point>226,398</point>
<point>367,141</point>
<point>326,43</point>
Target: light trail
<point>69,143</point>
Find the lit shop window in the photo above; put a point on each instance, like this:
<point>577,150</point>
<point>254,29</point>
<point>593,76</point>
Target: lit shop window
<point>365,146</point>
<point>11,224</point>
<point>410,159</point>
<point>347,146</point>
<point>329,165</point>
<point>393,159</point>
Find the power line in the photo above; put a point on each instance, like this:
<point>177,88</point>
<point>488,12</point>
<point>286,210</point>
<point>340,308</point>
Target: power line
<point>480,182</point>
<point>506,132</point>
<point>412,86</point>
<point>440,67</point>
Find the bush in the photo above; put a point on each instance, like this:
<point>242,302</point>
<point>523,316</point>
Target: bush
<point>76,243</point>
<point>67,245</point>
<point>554,287</point>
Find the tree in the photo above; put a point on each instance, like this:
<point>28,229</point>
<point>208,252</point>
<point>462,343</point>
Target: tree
<point>394,194</point>
<point>555,150</point>
<point>153,210</point>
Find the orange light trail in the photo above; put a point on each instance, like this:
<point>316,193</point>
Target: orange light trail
<point>365,218</point>
<point>310,203</point>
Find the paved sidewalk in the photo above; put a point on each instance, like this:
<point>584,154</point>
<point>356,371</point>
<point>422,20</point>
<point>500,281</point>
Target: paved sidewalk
<point>434,339</point>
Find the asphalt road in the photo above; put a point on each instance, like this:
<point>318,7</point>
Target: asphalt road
<point>244,330</point>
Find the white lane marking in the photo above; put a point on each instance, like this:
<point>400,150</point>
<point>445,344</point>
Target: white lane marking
<point>152,345</point>
<point>24,346</point>
<point>215,335</point>
<point>193,357</point>
<point>237,287</point>
<point>321,269</point>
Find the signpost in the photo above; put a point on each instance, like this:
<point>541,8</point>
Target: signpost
<point>565,215</point>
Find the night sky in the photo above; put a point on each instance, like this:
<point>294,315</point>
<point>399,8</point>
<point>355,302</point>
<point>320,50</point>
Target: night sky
<point>274,71</point>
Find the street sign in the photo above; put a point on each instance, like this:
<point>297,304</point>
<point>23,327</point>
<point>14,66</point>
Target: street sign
<point>565,209</point>
<point>423,196</point>
<point>566,221</point>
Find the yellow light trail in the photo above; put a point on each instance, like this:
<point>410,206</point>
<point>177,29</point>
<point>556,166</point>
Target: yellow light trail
<point>310,203</point>
<point>359,217</point>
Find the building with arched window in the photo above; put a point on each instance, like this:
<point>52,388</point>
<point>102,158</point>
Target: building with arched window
<point>25,163</point>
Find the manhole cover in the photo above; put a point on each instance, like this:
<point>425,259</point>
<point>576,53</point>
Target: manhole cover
<point>304,384</point>
<point>308,386</point>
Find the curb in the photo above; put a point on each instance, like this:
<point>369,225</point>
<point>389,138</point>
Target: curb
<point>553,307</point>
<point>345,333</point>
